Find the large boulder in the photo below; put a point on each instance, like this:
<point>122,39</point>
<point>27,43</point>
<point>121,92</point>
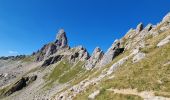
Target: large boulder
<point>94,59</point>
<point>111,53</point>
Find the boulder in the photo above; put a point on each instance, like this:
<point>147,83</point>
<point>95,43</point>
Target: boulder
<point>94,59</point>
<point>111,53</point>
<point>93,95</point>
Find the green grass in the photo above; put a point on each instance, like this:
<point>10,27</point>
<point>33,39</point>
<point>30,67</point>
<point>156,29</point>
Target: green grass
<point>59,70</point>
<point>107,95</point>
<point>148,74</point>
<point>28,59</point>
<point>72,73</point>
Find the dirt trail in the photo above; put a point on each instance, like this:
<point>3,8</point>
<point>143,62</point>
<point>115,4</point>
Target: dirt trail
<point>146,95</point>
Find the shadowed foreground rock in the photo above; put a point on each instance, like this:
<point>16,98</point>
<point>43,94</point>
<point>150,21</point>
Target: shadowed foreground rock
<point>23,82</point>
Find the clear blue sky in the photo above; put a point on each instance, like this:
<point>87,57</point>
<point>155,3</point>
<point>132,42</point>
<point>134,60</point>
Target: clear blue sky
<point>26,25</point>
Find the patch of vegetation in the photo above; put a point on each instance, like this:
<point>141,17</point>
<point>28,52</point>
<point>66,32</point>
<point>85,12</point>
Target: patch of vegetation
<point>72,73</point>
<point>164,94</point>
<point>148,74</point>
<point>28,59</point>
<point>107,95</point>
<point>59,70</point>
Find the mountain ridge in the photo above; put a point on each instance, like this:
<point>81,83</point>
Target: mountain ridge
<point>60,72</point>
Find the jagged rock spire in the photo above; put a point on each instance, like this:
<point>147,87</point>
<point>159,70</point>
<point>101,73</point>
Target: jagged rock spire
<point>61,39</point>
<point>94,59</point>
<point>139,27</point>
<point>166,18</point>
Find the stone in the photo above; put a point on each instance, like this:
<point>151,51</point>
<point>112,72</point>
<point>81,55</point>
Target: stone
<point>111,53</point>
<point>164,41</point>
<point>94,59</point>
<point>93,95</point>
<point>139,56</point>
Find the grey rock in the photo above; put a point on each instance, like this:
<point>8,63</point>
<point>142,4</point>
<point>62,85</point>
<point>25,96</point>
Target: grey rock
<point>112,52</point>
<point>139,56</point>
<point>93,95</point>
<point>94,59</point>
<point>61,39</point>
<point>23,82</point>
<point>166,18</point>
<point>52,60</point>
<point>139,28</point>
<point>46,51</point>
<point>164,41</point>
<point>79,53</point>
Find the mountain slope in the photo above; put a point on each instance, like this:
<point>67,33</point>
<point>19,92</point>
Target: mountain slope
<point>135,67</point>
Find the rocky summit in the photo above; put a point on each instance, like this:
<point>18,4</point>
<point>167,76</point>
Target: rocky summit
<point>135,67</point>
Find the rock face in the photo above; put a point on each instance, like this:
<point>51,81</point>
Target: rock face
<point>94,59</point>
<point>23,82</point>
<point>61,39</point>
<point>164,41</point>
<point>166,18</point>
<point>139,28</point>
<point>80,53</point>
<point>52,60</point>
<point>112,52</point>
<point>51,48</point>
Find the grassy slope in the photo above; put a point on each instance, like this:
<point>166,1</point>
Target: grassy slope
<point>148,74</point>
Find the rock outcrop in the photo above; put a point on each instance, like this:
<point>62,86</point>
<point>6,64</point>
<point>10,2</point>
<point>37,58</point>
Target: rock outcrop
<point>112,52</point>
<point>164,41</point>
<point>61,39</point>
<point>94,59</point>
<point>52,60</point>
<point>139,28</point>
<point>51,48</point>
<point>79,53</point>
<point>23,82</point>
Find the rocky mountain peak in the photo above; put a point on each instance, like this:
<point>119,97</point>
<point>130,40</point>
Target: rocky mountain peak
<point>166,18</point>
<point>61,39</point>
<point>94,59</point>
<point>139,27</point>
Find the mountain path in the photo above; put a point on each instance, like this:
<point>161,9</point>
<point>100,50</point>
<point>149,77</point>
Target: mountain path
<point>146,95</point>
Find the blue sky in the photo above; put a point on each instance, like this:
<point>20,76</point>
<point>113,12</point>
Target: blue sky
<point>26,25</point>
